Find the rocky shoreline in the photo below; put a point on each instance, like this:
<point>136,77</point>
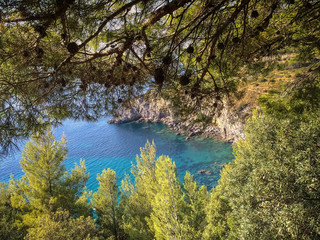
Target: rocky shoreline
<point>227,125</point>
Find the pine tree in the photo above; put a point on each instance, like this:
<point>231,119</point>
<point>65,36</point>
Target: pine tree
<point>9,217</point>
<point>199,47</point>
<point>46,185</point>
<point>219,222</point>
<point>60,225</point>
<point>168,219</point>
<point>42,165</point>
<point>197,200</point>
<point>156,205</point>
<point>137,196</point>
<point>105,202</point>
<point>270,190</point>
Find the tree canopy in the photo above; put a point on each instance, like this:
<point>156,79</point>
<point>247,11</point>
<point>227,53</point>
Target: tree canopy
<point>269,191</point>
<point>82,59</point>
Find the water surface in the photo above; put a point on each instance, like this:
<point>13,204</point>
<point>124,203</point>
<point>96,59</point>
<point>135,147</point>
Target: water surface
<point>105,146</point>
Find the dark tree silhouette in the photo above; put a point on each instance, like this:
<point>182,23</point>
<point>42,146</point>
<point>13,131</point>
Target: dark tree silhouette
<point>82,59</point>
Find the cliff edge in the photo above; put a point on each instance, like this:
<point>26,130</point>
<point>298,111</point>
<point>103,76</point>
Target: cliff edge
<point>227,124</point>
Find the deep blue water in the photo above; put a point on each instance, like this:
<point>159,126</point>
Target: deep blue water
<point>115,146</point>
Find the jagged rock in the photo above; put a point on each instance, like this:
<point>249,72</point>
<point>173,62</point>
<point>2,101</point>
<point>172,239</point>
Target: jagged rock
<point>191,134</point>
<point>227,125</point>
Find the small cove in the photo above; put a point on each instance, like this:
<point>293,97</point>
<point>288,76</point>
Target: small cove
<point>112,146</point>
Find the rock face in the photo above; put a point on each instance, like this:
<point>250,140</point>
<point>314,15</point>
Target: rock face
<point>142,110</point>
<point>227,125</point>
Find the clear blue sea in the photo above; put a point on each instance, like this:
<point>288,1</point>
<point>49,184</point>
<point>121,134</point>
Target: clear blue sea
<point>104,145</point>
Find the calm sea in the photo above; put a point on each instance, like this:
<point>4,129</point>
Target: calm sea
<point>115,146</point>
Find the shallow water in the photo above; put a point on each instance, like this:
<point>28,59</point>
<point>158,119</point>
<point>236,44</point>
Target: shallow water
<point>105,145</point>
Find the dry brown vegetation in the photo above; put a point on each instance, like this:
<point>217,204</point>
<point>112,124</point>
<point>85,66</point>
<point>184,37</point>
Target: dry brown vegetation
<point>252,87</point>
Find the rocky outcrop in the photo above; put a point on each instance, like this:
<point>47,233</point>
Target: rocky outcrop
<point>143,110</point>
<point>226,124</point>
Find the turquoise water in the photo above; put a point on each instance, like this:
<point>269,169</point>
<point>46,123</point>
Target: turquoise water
<point>115,146</point>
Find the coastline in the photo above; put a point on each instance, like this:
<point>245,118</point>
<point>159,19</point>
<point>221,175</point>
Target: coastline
<point>228,125</point>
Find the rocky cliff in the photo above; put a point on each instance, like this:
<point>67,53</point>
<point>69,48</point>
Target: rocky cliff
<point>227,125</point>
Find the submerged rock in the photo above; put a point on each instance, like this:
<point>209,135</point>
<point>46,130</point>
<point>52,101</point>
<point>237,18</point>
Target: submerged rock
<point>202,171</point>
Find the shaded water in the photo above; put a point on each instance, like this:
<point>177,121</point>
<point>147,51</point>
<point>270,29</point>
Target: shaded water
<point>115,146</point>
